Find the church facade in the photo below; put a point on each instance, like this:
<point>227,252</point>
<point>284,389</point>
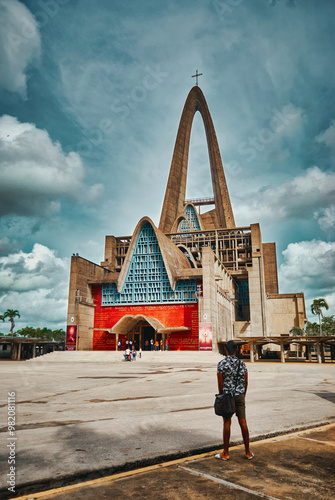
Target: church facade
<point>193,282</point>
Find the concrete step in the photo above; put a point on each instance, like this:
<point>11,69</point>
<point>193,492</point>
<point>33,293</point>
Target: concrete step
<point>113,356</point>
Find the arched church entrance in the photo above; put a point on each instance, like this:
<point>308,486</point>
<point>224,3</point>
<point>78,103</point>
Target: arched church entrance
<point>142,334</point>
<point>148,334</point>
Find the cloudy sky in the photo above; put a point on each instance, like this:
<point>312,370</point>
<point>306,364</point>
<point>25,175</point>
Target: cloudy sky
<point>91,95</point>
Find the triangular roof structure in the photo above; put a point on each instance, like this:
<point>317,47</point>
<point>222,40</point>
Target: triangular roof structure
<point>175,260</point>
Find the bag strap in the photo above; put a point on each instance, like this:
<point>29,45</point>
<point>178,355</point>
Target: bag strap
<point>237,373</point>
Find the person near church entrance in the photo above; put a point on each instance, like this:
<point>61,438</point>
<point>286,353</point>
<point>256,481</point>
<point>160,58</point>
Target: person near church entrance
<point>134,354</point>
<point>152,344</point>
<point>166,344</point>
<point>140,353</point>
<point>157,345</point>
<point>119,345</point>
<point>232,375</point>
<point>161,345</point>
<point>127,355</point>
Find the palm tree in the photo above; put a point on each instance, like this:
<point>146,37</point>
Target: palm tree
<point>296,331</point>
<point>2,319</point>
<point>316,308</point>
<point>11,314</point>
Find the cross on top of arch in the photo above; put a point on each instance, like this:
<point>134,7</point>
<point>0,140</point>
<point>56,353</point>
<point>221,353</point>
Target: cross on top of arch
<point>196,76</point>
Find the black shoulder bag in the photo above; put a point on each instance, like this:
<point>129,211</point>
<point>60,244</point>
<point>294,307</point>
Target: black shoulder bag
<point>224,404</point>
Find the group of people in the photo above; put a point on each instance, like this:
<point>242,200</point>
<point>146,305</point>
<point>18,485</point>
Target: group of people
<point>148,346</point>
<point>130,344</point>
<point>130,354</point>
<point>157,346</point>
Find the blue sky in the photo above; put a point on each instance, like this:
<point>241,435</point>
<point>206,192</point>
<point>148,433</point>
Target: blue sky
<point>91,95</point>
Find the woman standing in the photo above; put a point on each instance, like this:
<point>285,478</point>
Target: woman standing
<point>232,377</point>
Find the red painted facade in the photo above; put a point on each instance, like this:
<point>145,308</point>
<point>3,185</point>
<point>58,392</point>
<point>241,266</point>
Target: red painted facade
<point>170,315</point>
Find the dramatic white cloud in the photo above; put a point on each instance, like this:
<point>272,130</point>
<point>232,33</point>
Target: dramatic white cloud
<point>34,171</point>
<point>20,45</point>
<point>36,284</point>
<point>309,263</point>
<point>7,246</point>
<point>328,136</point>
<point>299,198</point>
<point>326,218</point>
<point>309,267</point>
<point>330,299</point>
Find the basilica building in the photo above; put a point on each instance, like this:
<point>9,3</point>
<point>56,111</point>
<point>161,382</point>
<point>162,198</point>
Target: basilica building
<point>193,282</point>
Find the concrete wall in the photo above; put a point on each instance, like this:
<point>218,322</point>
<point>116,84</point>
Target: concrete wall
<point>80,305</point>
<point>242,328</point>
<point>86,322</point>
<point>216,307</point>
<point>270,267</point>
<point>110,253</point>
<point>284,312</point>
<point>256,280</point>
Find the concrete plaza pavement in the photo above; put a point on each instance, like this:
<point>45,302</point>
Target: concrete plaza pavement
<point>81,415</point>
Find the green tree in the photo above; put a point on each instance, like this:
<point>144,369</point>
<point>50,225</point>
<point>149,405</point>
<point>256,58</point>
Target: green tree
<point>312,329</point>
<point>2,319</point>
<point>59,335</point>
<point>42,333</point>
<point>46,333</point>
<point>296,331</point>
<point>328,325</point>
<point>316,308</point>
<point>27,331</point>
<point>10,314</point>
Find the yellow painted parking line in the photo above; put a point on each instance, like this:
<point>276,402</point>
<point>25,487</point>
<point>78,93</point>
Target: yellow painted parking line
<point>317,441</point>
<point>114,477</point>
<point>228,484</point>
<point>145,470</point>
<point>290,435</point>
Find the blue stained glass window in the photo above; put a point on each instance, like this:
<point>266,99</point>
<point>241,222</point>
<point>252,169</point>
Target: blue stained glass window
<point>147,280</point>
<point>184,227</point>
<point>243,293</point>
<point>192,222</point>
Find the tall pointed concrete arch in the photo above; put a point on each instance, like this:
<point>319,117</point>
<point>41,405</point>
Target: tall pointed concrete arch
<point>173,205</point>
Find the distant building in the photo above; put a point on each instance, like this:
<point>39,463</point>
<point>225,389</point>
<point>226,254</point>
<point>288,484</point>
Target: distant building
<point>192,283</point>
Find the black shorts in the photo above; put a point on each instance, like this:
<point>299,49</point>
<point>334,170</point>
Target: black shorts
<point>240,405</point>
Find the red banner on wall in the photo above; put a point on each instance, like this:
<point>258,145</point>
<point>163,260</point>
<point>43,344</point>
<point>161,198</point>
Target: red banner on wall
<point>71,338</point>
<point>205,336</point>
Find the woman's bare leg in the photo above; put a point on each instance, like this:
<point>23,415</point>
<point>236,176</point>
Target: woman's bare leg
<point>245,435</point>
<point>226,438</point>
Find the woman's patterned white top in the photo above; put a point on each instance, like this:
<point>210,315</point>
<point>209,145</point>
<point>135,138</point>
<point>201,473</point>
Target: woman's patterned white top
<point>228,367</point>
